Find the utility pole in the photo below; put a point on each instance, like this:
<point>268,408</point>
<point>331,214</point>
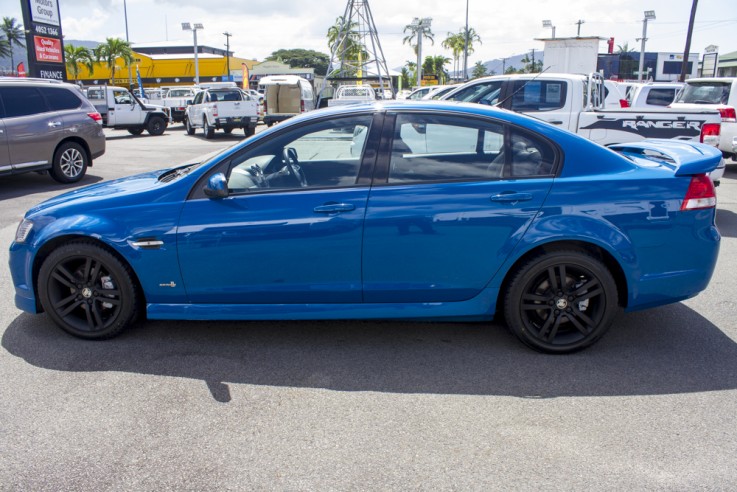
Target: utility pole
<point>504,65</point>
<point>465,48</point>
<point>130,69</point>
<point>686,51</point>
<point>227,54</point>
<point>649,15</point>
<point>579,22</point>
<point>533,61</point>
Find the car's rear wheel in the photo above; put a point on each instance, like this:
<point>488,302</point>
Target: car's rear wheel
<point>209,131</point>
<point>135,131</point>
<point>188,126</point>
<point>561,301</point>
<point>87,291</point>
<point>156,125</point>
<point>70,163</point>
<point>249,130</point>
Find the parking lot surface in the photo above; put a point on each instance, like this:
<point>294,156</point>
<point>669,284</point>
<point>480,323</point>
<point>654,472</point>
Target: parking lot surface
<point>345,405</point>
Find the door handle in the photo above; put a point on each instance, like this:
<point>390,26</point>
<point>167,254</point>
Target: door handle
<point>555,122</point>
<point>331,208</point>
<point>511,197</point>
<point>54,124</point>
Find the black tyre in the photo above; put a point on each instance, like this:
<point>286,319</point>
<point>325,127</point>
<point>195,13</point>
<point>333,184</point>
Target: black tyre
<point>561,301</point>
<point>135,131</point>
<point>209,131</point>
<point>249,130</point>
<point>87,291</point>
<point>156,125</point>
<point>188,126</point>
<point>228,131</point>
<point>70,163</point>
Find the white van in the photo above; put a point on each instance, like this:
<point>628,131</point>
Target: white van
<point>286,96</point>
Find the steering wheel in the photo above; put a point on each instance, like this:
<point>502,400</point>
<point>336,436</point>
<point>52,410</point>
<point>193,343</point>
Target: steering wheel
<point>289,156</point>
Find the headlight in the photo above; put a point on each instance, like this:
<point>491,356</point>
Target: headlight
<point>24,229</point>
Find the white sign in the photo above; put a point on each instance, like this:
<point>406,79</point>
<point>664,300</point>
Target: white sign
<point>45,11</point>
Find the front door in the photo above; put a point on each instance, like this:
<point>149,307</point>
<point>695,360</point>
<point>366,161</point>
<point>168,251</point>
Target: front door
<point>290,230</point>
<point>125,109</point>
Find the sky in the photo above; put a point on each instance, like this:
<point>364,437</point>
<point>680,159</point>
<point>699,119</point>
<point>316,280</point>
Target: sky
<point>506,28</point>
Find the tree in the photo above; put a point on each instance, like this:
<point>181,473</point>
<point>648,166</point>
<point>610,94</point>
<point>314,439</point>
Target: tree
<point>109,52</point>
<point>5,49</point>
<point>455,43</point>
<point>479,70</point>
<point>435,65</point>
<point>74,56</point>
<point>414,34</point>
<point>13,36</point>
<point>344,41</point>
<point>301,58</point>
<point>627,64</point>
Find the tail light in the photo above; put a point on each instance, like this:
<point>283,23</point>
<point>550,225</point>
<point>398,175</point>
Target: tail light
<point>710,133</point>
<point>728,114</point>
<point>302,106</point>
<point>700,194</point>
<point>265,106</point>
<point>215,110</point>
<point>624,103</point>
<point>96,117</point>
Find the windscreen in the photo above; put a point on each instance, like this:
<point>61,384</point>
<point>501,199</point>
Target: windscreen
<point>705,93</point>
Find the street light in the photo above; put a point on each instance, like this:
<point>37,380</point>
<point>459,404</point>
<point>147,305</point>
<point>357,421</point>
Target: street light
<point>547,23</point>
<point>420,27</point>
<point>186,26</point>
<point>649,15</point>
<point>227,53</point>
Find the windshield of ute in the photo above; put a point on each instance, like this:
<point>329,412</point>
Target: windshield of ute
<point>705,93</point>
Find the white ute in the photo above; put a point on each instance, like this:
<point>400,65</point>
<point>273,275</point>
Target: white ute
<point>224,109</point>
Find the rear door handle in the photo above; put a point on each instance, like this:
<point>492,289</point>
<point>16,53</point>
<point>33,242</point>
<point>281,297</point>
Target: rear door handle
<point>511,197</point>
<point>54,124</point>
<point>555,122</point>
<point>331,208</point>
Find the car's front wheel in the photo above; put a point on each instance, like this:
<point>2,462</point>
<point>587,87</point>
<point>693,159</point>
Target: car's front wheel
<point>561,301</point>
<point>70,163</point>
<point>156,125</point>
<point>87,291</point>
<point>188,126</point>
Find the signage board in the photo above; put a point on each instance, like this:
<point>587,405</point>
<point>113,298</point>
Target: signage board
<point>44,39</point>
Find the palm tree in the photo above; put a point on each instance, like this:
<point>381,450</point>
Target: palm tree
<point>5,49</point>
<point>479,70</point>
<point>74,56</point>
<point>13,36</point>
<point>416,31</point>
<point>435,65</point>
<point>454,43</point>
<point>344,41</point>
<point>109,52</point>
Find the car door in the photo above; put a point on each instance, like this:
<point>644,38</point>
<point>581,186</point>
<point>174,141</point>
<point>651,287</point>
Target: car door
<point>195,110</point>
<point>272,240</point>
<point>124,110</point>
<point>33,130</point>
<point>5,166</point>
<point>453,198</point>
<point>544,99</point>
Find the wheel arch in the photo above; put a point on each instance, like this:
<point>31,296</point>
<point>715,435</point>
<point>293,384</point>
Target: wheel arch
<point>595,250</point>
<point>53,243</point>
<point>78,140</point>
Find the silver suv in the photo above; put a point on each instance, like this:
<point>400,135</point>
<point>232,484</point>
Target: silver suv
<point>47,126</point>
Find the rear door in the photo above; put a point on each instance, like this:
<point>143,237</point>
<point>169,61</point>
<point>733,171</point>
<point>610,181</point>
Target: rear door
<point>453,198</point>
<point>32,128</point>
<point>545,99</point>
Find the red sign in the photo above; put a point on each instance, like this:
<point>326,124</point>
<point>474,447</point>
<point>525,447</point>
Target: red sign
<point>48,49</point>
<point>21,69</point>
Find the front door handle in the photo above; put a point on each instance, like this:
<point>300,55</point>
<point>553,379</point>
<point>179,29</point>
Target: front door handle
<point>555,122</point>
<point>332,208</point>
<point>511,197</point>
<point>54,124</point>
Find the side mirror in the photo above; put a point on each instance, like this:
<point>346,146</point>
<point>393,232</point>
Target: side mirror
<point>217,186</point>
<point>189,102</point>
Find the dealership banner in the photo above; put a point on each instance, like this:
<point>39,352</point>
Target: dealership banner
<point>44,39</point>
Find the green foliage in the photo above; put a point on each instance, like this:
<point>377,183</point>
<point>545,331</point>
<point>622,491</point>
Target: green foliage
<point>13,34</point>
<point>76,56</point>
<point>301,58</point>
<point>108,53</point>
<point>479,70</point>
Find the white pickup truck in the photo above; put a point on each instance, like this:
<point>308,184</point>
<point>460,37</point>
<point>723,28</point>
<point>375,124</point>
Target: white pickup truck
<point>175,98</point>
<point>352,94</point>
<point>575,102</point>
<point>221,109</point>
<point>122,110</point>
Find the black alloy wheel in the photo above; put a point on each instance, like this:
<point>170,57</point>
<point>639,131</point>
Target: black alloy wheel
<point>561,301</point>
<point>87,291</point>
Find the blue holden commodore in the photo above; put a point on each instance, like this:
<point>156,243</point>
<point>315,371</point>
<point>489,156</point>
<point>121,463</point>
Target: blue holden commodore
<point>415,211</point>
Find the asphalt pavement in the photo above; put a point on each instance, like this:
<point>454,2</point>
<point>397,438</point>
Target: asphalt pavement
<point>346,405</point>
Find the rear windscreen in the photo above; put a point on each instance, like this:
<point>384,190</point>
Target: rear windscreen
<point>705,93</point>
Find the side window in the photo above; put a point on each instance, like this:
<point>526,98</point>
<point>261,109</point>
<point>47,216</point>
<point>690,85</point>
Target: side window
<point>323,154</point>
<point>538,95</point>
<point>122,97</point>
<point>482,93</point>
<point>430,149</point>
<point>198,98</point>
<point>444,148</point>
<point>660,97</point>
<point>60,99</point>
<point>23,101</point>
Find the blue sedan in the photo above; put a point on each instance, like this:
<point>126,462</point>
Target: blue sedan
<point>415,211</point>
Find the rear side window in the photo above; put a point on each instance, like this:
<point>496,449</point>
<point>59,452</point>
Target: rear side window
<point>22,101</point>
<point>705,93</point>
<point>660,97</point>
<point>539,95</point>
<point>60,99</point>
<point>482,93</point>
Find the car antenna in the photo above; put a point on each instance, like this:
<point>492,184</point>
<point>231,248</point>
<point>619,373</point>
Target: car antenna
<point>499,104</point>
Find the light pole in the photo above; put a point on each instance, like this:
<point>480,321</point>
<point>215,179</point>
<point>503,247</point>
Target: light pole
<point>649,15</point>
<point>130,70</point>
<point>465,48</point>
<point>227,53</point>
<point>548,23</point>
<point>420,27</point>
<point>194,28</point>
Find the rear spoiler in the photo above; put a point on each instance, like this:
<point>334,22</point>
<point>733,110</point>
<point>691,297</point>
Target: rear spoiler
<point>686,158</point>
